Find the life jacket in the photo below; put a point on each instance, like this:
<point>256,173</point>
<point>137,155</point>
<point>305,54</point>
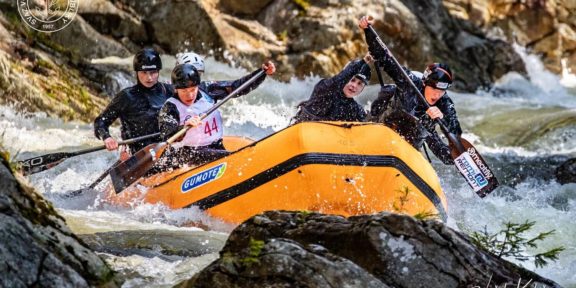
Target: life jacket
<point>211,129</point>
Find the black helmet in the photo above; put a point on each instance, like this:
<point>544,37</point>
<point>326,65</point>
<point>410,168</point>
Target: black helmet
<point>185,76</point>
<point>364,74</point>
<point>438,76</point>
<point>147,59</point>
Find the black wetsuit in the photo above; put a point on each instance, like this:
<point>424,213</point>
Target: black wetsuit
<point>169,120</point>
<point>400,107</point>
<point>328,102</point>
<point>138,108</point>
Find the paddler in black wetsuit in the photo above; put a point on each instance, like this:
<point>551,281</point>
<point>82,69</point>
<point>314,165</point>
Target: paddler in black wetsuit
<point>137,106</point>
<point>333,98</point>
<point>399,107</point>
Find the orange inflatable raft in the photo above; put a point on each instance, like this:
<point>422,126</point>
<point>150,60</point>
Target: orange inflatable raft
<point>328,167</point>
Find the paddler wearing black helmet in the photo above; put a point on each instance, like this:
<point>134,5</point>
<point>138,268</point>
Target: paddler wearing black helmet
<point>399,107</point>
<point>203,142</point>
<point>138,106</point>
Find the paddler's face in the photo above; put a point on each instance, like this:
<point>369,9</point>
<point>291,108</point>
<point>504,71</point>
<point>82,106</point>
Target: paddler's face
<point>432,95</point>
<point>148,78</point>
<point>187,95</point>
<point>353,87</point>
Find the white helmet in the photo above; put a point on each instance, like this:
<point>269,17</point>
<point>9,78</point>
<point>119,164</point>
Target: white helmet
<point>192,58</point>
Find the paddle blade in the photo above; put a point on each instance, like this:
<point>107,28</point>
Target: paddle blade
<point>474,169</point>
<point>127,172</point>
<point>41,163</point>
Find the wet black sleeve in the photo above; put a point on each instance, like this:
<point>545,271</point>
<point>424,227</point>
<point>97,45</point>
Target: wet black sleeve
<point>383,56</point>
<point>339,80</point>
<point>450,117</point>
<point>376,50</point>
<point>168,121</point>
<point>218,90</point>
<point>109,115</point>
<point>381,103</point>
<point>427,122</point>
<point>441,150</point>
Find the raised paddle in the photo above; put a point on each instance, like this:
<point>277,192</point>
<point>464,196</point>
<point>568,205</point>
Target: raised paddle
<point>466,158</point>
<point>125,173</point>
<point>44,162</point>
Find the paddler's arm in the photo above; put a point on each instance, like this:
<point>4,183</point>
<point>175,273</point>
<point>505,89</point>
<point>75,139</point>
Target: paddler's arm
<point>441,150</point>
<point>220,89</point>
<point>168,121</point>
<point>107,117</point>
<point>383,56</point>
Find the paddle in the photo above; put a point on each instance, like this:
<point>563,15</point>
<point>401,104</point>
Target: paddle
<point>44,162</point>
<point>466,158</point>
<point>125,173</point>
<point>93,185</point>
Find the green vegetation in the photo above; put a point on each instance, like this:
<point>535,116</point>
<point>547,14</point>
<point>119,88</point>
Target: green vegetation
<point>426,215</point>
<point>283,36</point>
<point>510,242</point>
<point>302,215</point>
<point>255,247</point>
<point>302,5</point>
<point>6,157</point>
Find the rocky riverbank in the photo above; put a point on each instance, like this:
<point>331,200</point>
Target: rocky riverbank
<point>38,249</point>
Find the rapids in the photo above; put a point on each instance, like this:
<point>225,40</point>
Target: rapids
<point>523,127</point>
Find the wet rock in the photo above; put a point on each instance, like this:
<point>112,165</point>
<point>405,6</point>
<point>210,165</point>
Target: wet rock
<point>301,267</point>
<point>156,243</point>
<point>320,38</point>
<point>108,19</point>
<point>566,172</point>
<point>83,40</point>
<point>512,170</point>
<point>203,28</point>
<point>112,78</point>
<point>37,247</point>
<point>248,7</point>
<point>545,27</point>
<point>397,250</point>
<point>33,80</point>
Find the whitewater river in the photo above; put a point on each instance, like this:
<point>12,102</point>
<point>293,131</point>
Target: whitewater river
<point>524,128</point>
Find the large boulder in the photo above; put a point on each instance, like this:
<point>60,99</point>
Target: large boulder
<point>545,27</point>
<point>84,41</point>
<point>37,247</point>
<point>288,249</point>
<point>320,37</point>
<point>108,19</point>
<point>302,266</point>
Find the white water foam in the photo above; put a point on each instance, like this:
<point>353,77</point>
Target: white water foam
<point>269,108</point>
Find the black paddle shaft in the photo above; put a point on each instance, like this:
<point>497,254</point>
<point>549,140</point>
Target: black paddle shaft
<point>451,137</point>
<point>40,163</point>
<point>469,163</point>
